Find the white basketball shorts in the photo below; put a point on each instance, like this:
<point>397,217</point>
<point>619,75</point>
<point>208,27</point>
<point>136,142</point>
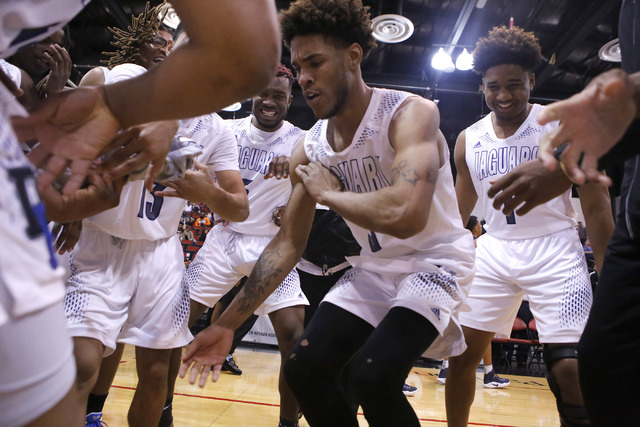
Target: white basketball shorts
<point>434,295</point>
<point>550,270</point>
<point>226,257</point>
<point>128,291</point>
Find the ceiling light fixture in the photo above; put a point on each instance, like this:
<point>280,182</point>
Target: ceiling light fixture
<point>611,51</point>
<point>233,107</point>
<point>441,61</point>
<point>464,62</point>
<point>391,28</point>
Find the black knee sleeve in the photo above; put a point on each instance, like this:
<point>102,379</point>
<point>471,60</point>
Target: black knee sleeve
<point>570,415</point>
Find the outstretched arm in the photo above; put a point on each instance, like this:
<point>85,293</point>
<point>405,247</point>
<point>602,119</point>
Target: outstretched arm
<point>211,346</point>
<point>591,122</point>
<point>402,208</point>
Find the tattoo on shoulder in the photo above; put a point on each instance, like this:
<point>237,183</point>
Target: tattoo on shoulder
<point>432,175</point>
<point>402,171</point>
<point>257,287</point>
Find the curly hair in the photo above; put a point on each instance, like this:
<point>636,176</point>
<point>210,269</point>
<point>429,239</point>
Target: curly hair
<point>128,42</point>
<point>507,46</point>
<point>343,21</point>
<point>283,71</point>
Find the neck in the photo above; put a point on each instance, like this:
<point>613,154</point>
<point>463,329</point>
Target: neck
<point>257,125</point>
<point>346,122</point>
<point>506,128</point>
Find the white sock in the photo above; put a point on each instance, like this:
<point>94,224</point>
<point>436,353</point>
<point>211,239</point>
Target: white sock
<point>488,368</point>
<point>445,363</point>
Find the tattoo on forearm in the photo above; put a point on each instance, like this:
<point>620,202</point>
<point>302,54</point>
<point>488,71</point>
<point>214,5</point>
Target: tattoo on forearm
<point>257,287</point>
<point>402,171</point>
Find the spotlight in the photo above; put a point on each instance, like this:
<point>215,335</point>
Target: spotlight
<point>442,61</point>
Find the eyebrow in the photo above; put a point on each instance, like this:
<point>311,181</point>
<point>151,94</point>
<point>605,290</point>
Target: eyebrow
<point>306,58</point>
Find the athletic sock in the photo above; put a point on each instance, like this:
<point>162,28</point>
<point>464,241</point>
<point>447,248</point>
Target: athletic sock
<point>488,368</point>
<point>95,402</point>
<point>445,363</point>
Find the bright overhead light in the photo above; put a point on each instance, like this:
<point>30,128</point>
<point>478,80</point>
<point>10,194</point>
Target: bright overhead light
<point>464,61</point>
<point>442,61</point>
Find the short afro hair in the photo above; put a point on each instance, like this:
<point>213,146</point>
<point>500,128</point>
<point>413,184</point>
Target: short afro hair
<point>343,21</point>
<point>283,71</point>
<point>507,46</point>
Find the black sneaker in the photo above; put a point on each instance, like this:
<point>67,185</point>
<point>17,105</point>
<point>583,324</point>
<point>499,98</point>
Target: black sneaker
<point>230,366</point>
<point>492,380</point>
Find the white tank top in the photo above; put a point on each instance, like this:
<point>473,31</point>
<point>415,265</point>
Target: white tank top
<point>489,158</point>
<point>143,216</point>
<point>365,166</point>
<point>256,149</point>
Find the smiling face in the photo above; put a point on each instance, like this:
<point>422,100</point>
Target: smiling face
<point>322,72</point>
<point>155,50</point>
<point>270,106</point>
<point>507,88</point>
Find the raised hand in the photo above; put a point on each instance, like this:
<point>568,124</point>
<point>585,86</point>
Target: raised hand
<point>209,348</point>
<point>591,122</point>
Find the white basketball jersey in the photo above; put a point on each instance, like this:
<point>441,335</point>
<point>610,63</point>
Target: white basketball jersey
<point>256,149</point>
<point>27,21</point>
<point>140,214</point>
<point>29,277</point>
<point>489,158</point>
<point>365,166</point>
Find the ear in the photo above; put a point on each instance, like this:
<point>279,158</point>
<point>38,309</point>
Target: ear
<point>354,55</point>
<point>532,80</point>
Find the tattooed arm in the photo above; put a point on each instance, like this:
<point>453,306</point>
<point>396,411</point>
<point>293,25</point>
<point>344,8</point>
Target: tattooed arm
<point>211,346</point>
<point>402,208</point>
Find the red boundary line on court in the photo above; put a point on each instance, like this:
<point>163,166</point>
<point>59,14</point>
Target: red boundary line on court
<point>275,405</point>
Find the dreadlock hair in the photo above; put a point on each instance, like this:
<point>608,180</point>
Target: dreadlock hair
<point>128,42</point>
<point>283,71</point>
<point>507,46</point>
<point>342,21</point>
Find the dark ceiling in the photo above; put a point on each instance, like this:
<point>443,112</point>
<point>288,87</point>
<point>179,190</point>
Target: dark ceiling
<point>571,32</point>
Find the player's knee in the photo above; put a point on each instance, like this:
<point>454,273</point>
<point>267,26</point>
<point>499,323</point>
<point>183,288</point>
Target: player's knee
<point>562,375</point>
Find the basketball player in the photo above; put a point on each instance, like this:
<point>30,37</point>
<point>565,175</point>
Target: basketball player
<point>539,256</point>
<point>230,252</point>
<point>601,125</point>
<point>37,386</point>
<point>402,295</point>
<point>127,267</point>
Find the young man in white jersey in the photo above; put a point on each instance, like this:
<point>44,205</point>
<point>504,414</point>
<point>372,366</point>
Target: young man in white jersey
<point>402,295</point>
<point>231,250</point>
<point>127,268</point>
<point>539,255</point>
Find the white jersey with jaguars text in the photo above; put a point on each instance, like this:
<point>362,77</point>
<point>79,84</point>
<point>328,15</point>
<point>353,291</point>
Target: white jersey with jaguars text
<point>490,158</point>
<point>366,166</point>
<point>256,149</point>
<point>142,215</point>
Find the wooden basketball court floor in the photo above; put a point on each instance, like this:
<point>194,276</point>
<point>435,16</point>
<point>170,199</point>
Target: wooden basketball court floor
<point>251,399</point>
